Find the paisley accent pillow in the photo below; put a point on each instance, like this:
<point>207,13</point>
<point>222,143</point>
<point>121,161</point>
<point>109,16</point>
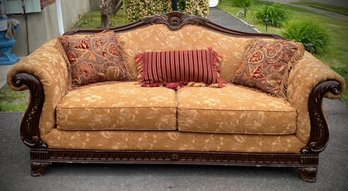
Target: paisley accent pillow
<point>175,69</point>
<point>266,65</point>
<point>94,58</point>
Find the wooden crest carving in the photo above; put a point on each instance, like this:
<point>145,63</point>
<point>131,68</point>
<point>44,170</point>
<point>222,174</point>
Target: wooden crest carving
<point>175,20</point>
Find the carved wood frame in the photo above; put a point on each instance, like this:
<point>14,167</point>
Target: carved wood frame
<point>41,156</point>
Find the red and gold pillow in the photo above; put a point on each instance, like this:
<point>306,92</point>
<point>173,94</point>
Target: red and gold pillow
<point>266,65</point>
<point>174,69</point>
<point>94,58</point>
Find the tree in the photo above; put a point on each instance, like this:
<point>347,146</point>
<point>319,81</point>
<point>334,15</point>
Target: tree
<point>108,9</point>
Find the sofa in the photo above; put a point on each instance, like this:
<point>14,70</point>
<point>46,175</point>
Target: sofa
<point>126,121</point>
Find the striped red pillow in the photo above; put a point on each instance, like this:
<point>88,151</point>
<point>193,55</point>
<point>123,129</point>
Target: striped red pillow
<point>174,69</point>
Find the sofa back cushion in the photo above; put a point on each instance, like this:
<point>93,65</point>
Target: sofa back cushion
<point>159,37</point>
<point>174,69</point>
<point>94,58</point>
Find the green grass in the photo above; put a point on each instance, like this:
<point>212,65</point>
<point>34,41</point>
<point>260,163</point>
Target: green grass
<point>13,101</point>
<point>91,20</point>
<point>332,8</point>
<point>336,54</point>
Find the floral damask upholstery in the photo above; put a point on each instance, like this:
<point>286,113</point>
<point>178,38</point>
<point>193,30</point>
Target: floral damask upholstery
<point>266,64</point>
<point>234,109</point>
<point>172,141</point>
<point>47,64</point>
<point>117,106</point>
<point>189,37</point>
<point>94,58</point>
<point>302,79</point>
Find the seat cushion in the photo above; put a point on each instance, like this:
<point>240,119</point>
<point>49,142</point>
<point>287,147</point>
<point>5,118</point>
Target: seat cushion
<point>117,106</point>
<point>234,109</point>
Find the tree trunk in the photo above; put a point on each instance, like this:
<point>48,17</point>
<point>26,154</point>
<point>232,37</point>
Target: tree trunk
<point>108,9</point>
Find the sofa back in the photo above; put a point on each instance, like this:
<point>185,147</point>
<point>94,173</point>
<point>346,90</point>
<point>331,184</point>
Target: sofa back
<point>159,38</point>
<point>177,31</point>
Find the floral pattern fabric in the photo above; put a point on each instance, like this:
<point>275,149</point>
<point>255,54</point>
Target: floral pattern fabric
<point>234,109</point>
<point>171,141</point>
<point>47,64</point>
<point>117,106</point>
<point>302,79</point>
<point>94,58</point>
<point>266,65</point>
<point>190,37</point>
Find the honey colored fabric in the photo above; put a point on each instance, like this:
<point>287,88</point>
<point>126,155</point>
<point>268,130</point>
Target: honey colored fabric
<point>50,68</point>
<point>234,109</point>
<point>117,106</point>
<point>188,37</point>
<point>302,79</point>
<point>171,141</point>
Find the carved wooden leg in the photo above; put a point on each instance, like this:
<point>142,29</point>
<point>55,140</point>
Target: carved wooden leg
<point>38,168</point>
<point>309,174</point>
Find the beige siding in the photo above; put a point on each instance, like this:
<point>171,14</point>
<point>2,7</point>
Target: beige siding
<point>44,26</point>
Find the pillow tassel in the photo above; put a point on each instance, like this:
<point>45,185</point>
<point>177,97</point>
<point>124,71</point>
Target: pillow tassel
<point>139,60</point>
<point>216,64</point>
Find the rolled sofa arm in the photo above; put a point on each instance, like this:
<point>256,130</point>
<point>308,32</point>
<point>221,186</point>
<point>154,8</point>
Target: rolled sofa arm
<point>45,73</point>
<point>309,81</point>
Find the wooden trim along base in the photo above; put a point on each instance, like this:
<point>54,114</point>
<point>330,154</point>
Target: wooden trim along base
<point>307,163</point>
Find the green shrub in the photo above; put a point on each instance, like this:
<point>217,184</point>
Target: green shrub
<point>197,7</point>
<point>275,15</point>
<point>312,35</point>
<point>137,9</point>
<point>241,3</point>
<point>181,5</point>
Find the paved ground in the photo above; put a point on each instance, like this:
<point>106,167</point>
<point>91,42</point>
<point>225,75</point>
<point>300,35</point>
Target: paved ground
<point>224,19</point>
<point>14,163</point>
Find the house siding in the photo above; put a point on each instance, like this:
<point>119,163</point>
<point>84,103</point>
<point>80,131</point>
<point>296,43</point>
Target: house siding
<point>44,26</point>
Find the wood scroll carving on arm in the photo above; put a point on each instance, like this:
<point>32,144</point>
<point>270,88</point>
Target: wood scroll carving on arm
<point>319,135</point>
<point>30,132</point>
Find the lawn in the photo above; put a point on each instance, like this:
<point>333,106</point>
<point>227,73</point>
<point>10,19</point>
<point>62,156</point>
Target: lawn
<point>336,55</point>
<point>91,20</point>
<point>13,101</point>
<point>332,8</point>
